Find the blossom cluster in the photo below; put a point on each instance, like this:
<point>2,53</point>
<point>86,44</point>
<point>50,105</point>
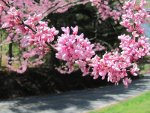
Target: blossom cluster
<point>29,33</point>
<point>136,45</point>
<point>40,38</point>
<point>134,49</point>
<point>134,16</point>
<point>74,48</point>
<point>105,11</point>
<point>114,66</point>
<point>11,19</point>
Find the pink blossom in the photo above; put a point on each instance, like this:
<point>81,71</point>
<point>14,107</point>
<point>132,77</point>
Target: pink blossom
<point>105,11</point>
<point>126,81</point>
<point>134,49</point>
<point>74,48</point>
<point>113,65</point>
<point>133,17</point>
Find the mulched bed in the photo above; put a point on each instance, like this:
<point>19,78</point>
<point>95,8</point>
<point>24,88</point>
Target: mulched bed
<point>42,82</point>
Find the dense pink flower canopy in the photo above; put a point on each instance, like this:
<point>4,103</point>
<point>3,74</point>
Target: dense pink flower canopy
<point>23,20</point>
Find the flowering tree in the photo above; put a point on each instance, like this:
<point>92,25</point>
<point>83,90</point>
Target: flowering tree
<point>26,24</point>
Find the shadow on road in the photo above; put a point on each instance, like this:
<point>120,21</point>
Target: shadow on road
<point>78,99</point>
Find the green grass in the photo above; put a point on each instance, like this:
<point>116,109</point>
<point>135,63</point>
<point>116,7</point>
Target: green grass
<point>139,104</point>
<point>145,69</point>
<point>144,66</point>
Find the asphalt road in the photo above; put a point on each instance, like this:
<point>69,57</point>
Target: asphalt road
<point>76,101</point>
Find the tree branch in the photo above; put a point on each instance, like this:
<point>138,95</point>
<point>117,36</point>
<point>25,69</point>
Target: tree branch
<point>61,6</point>
<point>6,3</point>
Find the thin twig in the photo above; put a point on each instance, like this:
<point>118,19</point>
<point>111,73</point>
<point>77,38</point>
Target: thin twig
<point>6,3</point>
<point>50,8</point>
<point>30,28</point>
<point>63,6</point>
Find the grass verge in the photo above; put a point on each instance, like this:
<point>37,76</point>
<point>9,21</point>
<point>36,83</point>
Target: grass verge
<point>139,104</point>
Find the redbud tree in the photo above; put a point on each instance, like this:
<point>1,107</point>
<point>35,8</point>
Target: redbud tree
<point>27,25</point>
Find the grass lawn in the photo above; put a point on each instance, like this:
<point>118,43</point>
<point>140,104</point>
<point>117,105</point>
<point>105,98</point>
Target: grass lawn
<point>145,69</point>
<point>139,104</point>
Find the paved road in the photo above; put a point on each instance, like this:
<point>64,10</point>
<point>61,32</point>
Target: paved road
<point>76,101</point>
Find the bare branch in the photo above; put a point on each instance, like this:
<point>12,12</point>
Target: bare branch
<point>70,3</point>
<point>6,3</point>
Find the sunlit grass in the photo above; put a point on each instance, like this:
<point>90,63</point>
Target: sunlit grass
<point>139,104</point>
<point>145,69</point>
